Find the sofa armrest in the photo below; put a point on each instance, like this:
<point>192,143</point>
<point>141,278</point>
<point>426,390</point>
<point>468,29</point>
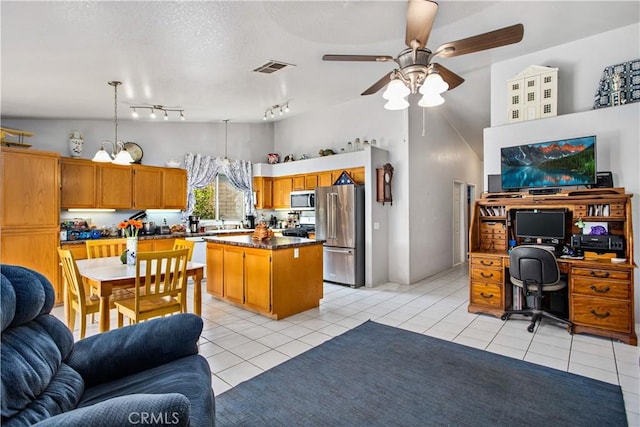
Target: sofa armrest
<point>121,352</point>
<point>135,409</point>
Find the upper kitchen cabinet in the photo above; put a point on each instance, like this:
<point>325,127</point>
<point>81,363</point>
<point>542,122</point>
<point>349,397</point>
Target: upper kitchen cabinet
<point>79,185</point>
<point>298,182</point>
<point>282,192</point>
<point>263,188</point>
<point>114,186</point>
<point>147,187</point>
<point>30,188</point>
<point>174,188</point>
<point>357,174</point>
<point>325,179</point>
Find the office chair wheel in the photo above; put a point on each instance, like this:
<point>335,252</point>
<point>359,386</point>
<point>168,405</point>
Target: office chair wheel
<point>530,328</point>
<point>504,317</point>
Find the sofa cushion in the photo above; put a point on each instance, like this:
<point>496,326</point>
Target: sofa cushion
<point>28,294</point>
<point>189,376</point>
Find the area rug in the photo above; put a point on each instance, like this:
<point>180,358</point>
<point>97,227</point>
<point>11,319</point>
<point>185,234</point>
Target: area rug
<point>380,375</point>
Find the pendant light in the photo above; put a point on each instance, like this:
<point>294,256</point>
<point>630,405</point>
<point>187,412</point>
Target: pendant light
<point>225,160</point>
<point>119,155</point>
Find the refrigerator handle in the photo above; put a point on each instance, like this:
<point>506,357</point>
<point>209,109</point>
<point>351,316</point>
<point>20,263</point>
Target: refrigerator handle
<point>334,233</point>
<point>338,250</point>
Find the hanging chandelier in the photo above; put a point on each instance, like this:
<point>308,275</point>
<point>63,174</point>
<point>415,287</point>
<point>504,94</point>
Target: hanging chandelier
<point>119,155</point>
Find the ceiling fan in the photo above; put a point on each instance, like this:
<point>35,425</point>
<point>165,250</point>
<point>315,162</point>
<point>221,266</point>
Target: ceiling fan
<point>416,72</point>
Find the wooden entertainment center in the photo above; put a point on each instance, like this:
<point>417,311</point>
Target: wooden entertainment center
<point>600,292</point>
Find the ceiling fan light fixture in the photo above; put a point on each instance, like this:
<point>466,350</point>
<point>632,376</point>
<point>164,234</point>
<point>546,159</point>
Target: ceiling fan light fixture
<point>434,84</point>
<point>396,90</point>
<point>396,104</point>
<point>431,100</point>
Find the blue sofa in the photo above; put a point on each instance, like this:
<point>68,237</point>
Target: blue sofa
<point>145,374</point>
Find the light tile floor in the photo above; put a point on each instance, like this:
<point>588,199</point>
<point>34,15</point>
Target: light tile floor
<point>240,345</point>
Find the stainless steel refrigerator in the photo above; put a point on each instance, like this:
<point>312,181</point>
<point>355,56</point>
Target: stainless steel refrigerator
<point>340,222</point>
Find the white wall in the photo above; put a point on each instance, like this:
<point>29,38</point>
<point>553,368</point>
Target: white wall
<point>161,141</point>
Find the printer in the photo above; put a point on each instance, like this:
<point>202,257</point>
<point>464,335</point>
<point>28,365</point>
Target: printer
<point>600,244</point>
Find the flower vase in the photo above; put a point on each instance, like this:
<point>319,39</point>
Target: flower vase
<point>132,249</point>
<point>76,143</point>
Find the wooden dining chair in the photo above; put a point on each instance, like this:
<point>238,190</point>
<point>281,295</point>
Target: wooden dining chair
<point>160,287</point>
<point>77,298</point>
<point>101,248</point>
<point>182,243</point>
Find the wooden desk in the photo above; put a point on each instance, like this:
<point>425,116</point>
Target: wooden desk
<point>600,293</point>
<point>106,274</point>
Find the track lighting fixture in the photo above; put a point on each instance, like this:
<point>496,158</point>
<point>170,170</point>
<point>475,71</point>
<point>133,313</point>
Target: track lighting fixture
<point>280,108</point>
<point>152,112</point>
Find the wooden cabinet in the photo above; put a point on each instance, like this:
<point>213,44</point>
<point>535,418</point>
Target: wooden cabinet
<point>30,211</point>
<point>310,181</point>
<point>298,182</point>
<point>215,283</point>
<point>357,174</point>
<point>263,188</point>
<point>233,267</point>
<point>174,188</point>
<point>78,183</point>
<point>281,192</point>
<point>114,186</point>
<point>325,179</point>
<point>147,187</point>
<point>86,184</point>
<point>486,289</point>
<point>257,279</point>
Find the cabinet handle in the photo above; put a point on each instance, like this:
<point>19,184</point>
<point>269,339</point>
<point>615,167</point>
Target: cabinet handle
<point>485,276</point>
<point>483,262</point>
<point>602,291</point>
<point>601,316</point>
<point>603,275</point>
<point>482,294</point>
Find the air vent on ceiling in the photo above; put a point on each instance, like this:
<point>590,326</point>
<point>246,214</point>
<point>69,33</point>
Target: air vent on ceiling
<point>272,67</point>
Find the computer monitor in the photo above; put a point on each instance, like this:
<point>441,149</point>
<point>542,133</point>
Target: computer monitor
<point>540,224</point>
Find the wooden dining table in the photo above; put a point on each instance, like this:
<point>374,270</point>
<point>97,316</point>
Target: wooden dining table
<point>106,274</point>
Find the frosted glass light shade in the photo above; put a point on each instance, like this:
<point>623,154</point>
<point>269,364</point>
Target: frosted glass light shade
<point>396,104</point>
<point>123,158</point>
<point>431,100</point>
<point>396,90</point>
<point>433,84</point>
<point>102,156</point>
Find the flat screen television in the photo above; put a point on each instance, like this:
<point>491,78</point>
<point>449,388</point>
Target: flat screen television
<point>549,164</point>
<point>541,224</point>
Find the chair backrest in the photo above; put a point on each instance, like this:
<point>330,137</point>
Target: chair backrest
<point>160,274</point>
<point>182,243</point>
<point>102,248</point>
<point>72,275</point>
<point>533,264</point>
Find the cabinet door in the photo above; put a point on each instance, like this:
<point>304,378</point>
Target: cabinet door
<point>357,174</point>
<point>78,183</point>
<point>233,266</point>
<point>325,179</point>
<point>263,188</point>
<point>282,192</point>
<point>163,244</point>
<point>298,182</point>
<point>114,186</point>
<point>257,279</point>
<point>215,269</point>
<point>29,188</point>
<point>147,187</point>
<point>310,181</point>
<point>175,189</point>
<point>35,249</point>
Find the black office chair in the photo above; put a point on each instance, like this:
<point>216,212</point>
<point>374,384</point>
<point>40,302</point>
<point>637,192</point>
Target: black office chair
<point>535,270</point>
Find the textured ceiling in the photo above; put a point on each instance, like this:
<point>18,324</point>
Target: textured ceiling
<point>57,57</point>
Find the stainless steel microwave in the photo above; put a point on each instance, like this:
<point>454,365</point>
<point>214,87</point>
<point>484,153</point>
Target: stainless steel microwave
<point>303,200</point>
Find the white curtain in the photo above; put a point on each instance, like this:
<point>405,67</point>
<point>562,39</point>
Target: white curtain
<point>202,170</point>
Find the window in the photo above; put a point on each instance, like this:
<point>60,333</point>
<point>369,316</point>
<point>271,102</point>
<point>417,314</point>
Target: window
<point>219,200</point>
<point>515,100</point>
<point>531,83</point>
<point>547,108</point>
<point>547,79</point>
<point>515,114</point>
<point>530,96</point>
<point>515,86</point>
<point>547,93</point>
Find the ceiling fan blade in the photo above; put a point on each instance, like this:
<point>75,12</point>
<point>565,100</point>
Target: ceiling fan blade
<point>501,37</point>
<point>420,17</point>
<point>448,76</point>
<point>379,84</point>
<point>372,58</point>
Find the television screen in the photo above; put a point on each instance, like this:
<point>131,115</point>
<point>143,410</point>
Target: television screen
<point>540,224</point>
<point>549,164</point>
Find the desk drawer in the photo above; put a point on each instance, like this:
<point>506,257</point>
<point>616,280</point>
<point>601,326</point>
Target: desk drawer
<point>600,288</point>
<point>492,275</point>
<point>601,313</point>
<point>486,294</point>
<point>486,261</point>
<point>601,273</point>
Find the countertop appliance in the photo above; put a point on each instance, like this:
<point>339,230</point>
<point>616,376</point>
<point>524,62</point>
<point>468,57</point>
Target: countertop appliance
<point>307,225</point>
<point>340,222</point>
<point>303,200</point>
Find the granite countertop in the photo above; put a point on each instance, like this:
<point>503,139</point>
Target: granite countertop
<point>274,242</point>
<point>166,236</point>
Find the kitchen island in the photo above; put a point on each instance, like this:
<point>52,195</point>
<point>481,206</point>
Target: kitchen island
<point>276,277</point>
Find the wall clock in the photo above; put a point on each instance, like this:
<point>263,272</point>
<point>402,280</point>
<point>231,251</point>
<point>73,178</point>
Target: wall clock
<point>135,150</point>
<point>384,178</point>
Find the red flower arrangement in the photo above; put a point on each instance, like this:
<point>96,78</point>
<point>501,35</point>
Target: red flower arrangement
<point>130,227</point>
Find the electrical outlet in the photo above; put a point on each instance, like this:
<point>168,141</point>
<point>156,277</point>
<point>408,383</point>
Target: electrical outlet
<point>296,253</point>
<point>376,226</point>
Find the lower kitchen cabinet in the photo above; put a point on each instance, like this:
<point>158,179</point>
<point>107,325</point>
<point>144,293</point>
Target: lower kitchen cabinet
<point>215,285</point>
<point>257,279</point>
<point>233,267</point>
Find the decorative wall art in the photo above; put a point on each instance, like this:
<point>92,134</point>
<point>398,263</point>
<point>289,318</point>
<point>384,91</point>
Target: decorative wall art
<point>532,94</point>
<point>619,84</point>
